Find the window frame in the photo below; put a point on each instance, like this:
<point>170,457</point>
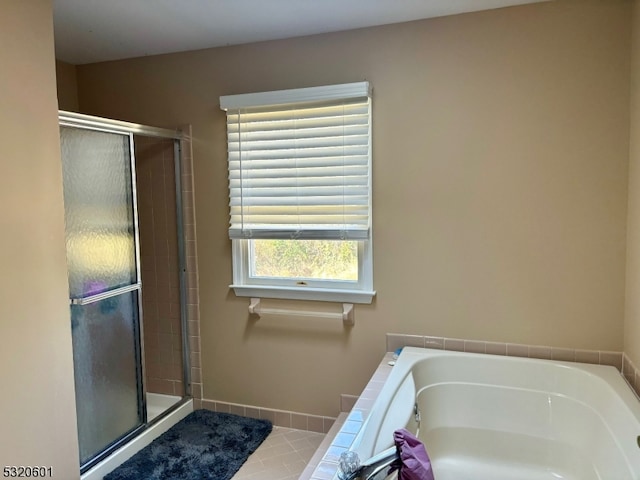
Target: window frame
<point>245,285</point>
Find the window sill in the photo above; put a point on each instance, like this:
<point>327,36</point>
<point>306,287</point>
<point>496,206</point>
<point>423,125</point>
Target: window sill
<point>305,293</point>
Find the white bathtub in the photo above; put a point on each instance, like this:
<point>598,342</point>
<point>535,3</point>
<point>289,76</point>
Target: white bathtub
<point>487,417</point>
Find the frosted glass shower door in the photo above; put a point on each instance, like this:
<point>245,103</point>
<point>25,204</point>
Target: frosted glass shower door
<point>104,286</point>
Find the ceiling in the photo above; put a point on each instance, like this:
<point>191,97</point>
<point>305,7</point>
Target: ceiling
<point>89,31</point>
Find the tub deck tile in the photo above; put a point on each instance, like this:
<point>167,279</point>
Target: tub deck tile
<point>324,464</point>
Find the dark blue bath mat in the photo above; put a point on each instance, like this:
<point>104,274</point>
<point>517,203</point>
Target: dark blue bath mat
<point>204,445</point>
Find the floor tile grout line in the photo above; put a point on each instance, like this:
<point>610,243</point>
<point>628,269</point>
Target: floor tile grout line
<point>277,467</point>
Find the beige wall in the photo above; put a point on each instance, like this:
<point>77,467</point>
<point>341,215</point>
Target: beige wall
<point>38,403</point>
<point>67,84</point>
<point>500,186</point>
<point>632,304</point>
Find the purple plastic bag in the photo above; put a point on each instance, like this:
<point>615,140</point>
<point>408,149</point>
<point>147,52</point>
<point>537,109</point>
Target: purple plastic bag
<point>414,461</point>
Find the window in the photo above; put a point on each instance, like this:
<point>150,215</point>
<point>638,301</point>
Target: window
<point>300,193</point>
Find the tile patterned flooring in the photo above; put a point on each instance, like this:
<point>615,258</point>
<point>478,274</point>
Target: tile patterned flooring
<point>282,456</point>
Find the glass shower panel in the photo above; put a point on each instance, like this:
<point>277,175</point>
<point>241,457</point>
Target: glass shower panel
<point>105,364</point>
<point>98,211</point>
<point>104,288</point>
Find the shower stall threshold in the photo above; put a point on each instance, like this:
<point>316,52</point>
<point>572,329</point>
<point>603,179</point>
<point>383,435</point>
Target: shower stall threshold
<point>156,429</point>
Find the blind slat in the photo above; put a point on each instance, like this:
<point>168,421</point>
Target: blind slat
<point>307,234</point>
<point>310,172</point>
<point>254,166</point>
<point>301,154</point>
<point>292,146</point>
<point>273,201</point>
<point>287,183</point>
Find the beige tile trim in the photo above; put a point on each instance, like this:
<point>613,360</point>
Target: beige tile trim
<point>598,357</point>
<point>631,374</point>
<point>347,402</point>
<point>280,418</point>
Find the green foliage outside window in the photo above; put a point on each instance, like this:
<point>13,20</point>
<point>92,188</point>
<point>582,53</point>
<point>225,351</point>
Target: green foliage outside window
<point>305,259</point>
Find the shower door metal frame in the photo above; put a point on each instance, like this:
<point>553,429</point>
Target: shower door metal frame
<point>89,122</point>
<point>182,267</point>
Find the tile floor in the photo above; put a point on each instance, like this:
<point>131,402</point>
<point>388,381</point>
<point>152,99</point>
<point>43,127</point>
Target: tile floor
<point>282,456</point>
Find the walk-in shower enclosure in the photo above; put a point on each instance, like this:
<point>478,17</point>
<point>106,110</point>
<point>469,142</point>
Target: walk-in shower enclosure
<point>118,379</point>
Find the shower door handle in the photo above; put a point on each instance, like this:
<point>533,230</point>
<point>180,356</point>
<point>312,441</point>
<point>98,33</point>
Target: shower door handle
<point>104,295</point>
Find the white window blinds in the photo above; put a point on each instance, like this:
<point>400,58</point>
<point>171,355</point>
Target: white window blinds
<point>299,163</point>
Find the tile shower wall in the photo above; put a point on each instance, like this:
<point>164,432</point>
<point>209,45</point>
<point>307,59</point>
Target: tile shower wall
<point>159,264</point>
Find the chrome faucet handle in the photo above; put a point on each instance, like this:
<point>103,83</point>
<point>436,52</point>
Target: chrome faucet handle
<point>375,468</point>
<point>348,465</point>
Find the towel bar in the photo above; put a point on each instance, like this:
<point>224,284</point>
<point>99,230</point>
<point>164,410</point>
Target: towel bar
<point>347,315</point>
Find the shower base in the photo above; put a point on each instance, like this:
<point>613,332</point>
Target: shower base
<point>156,404</point>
